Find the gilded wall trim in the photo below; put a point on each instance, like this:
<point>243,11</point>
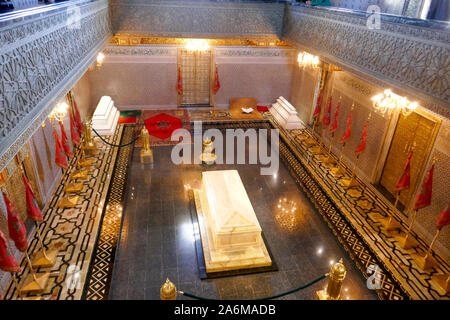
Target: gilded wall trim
<point>40,60</point>
<point>137,39</point>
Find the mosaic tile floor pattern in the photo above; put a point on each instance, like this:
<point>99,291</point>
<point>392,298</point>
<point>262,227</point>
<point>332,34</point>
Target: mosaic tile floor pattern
<point>100,273</point>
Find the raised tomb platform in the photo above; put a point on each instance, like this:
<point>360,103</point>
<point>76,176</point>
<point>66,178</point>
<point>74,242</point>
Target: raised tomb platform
<point>286,115</point>
<point>105,117</point>
<point>230,232</point>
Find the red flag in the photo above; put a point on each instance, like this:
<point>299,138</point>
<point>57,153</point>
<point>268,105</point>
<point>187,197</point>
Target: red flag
<point>317,110</point>
<point>405,180</point>
<point>33,210</point>
<point>444,218</point>
<point>78,122</point>
<point>423,198</point>
<point>348,129</point>
<point>16,228</point>
<point>7,261</point>
<point>362,145</point>
<point>64,141</point>
<point>74,131</point>
<point>327,115</point>
<point>60,159</point>
<point>318,107</point>
<point>216,81</point>
<point>334,124</point>
<point>179,82</point>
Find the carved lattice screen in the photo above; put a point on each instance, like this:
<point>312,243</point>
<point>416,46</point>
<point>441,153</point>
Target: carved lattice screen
<point>15,187</point>
<point>196,73</point>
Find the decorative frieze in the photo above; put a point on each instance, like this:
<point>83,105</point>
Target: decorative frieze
<point>197,18</point>
<point>112,50</point>
<point>253,52</point>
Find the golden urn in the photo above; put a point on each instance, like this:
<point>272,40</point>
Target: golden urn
<point>168,291</point>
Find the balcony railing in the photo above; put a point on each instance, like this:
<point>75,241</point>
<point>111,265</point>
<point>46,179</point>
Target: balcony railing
<point>14,6</point>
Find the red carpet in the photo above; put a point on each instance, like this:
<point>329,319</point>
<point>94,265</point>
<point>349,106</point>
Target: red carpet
<point>162,125</point>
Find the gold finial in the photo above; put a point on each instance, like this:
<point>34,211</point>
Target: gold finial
<point>208,155</point>
<point>370,116</point>
<point>353,106</point>
<point>145,139</point>
<point>146,153</point>
<point>89,143</point>
<point>338,271</point>
<point>336,277</point>
<point>168,291</point>
<point>435,159</point>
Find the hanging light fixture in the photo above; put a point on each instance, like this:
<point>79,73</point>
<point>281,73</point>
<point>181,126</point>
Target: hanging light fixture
<point>305,59</point>
<point>197,45</point>
<point>100,59</point>
<point>59,112</point>
<point>387,102</point>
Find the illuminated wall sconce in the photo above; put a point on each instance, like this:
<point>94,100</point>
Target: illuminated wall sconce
<point>387,102</point>
<point>100,59</point>
<point>194,45</point>
<point>308,60</point>
<point>59,112</point>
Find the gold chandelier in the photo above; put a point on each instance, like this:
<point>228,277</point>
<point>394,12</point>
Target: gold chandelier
<point>308,60</point>
<point>59,112</point>
<point>387,102</point>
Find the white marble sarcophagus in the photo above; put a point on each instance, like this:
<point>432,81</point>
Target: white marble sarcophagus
<point>286,115</point>
<point>105,117</point>
<point>230,232</point>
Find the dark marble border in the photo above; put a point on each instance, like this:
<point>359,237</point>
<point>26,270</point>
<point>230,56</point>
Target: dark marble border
<point>100,272</point>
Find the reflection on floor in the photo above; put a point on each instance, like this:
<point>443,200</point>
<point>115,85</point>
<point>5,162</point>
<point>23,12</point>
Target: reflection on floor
<point>157,236</point>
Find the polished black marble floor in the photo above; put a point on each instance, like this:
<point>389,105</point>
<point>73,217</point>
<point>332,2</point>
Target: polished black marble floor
<point>157,238</point>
